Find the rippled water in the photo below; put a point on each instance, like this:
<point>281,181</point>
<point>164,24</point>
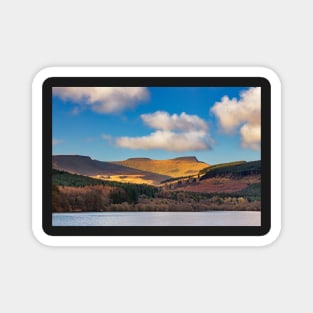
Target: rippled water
<point>211,218</point>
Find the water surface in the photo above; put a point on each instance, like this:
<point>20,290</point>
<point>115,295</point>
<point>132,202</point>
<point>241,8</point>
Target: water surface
<point>211,218</point>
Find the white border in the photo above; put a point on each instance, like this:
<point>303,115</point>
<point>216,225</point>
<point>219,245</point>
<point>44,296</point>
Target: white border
<point>155,72</point>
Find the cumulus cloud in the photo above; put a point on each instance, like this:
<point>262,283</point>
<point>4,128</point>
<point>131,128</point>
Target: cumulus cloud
<point>184,122</point>
<point>243,115</point>
<point>175,133</point>
<point>103,99</point>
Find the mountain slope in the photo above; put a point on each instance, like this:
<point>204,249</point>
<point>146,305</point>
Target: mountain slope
<point>183,166</point>
<point>234,169</point>
<point>240,176</point>
<point>84,165</point>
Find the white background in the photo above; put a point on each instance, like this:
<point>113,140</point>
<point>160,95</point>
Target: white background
<point>37,34</point>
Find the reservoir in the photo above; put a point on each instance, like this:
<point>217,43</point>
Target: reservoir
<point>209,218</point>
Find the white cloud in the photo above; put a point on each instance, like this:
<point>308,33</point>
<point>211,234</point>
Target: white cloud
<point>57,141</point>
<point>103,99</point>
<point>176,133</point>
<point>184,122</point>
<point>250,136</point>
<point>243,115</point>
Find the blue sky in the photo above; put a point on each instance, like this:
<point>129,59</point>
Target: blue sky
<point>215,124</point>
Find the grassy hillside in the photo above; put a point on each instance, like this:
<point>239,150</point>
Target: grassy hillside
<point>233,170</point>
<point>213,169</point>
<point>184,166</point>
<point>76,193</point>
<point>220,165</point>
<point>61,178</point>
<point>84,165</point>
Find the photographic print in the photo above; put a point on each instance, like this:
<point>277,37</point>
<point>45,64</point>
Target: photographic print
<point>153,156</point>
<point>156,156</point>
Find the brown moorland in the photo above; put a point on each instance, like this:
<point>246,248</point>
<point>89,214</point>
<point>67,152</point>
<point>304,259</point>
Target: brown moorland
<point>219,184</point>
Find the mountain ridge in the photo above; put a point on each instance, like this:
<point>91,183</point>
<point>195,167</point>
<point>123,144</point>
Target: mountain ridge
<point>84,165</point>
<point>176,167</point>
<point>135,170</point>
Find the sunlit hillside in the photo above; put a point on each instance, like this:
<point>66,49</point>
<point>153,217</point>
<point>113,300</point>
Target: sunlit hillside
<point>184,166</point>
